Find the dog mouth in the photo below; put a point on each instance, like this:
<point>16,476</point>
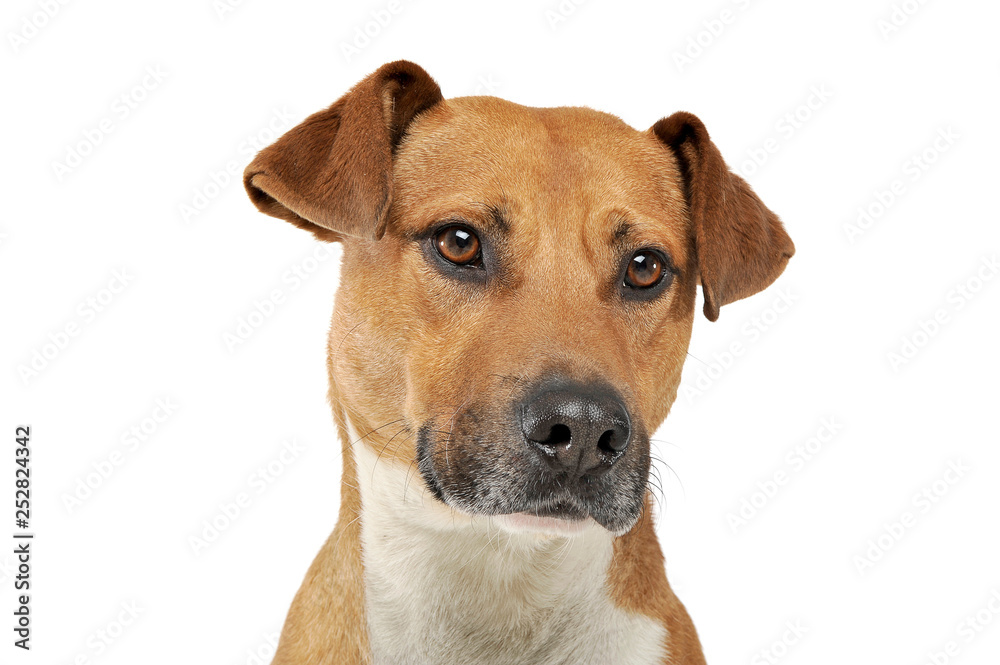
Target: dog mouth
<point>563,510</point>
<point>561,517</point>
<point>565,517</point>
<point>546,525</point>
<point>521,494</point>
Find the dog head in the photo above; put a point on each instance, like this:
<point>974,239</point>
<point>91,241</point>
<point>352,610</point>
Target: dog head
<point>518,285</point>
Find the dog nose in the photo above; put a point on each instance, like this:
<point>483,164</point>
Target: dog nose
<point>577,429</point>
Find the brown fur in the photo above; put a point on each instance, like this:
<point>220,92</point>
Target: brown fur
<point>741,244</point>
<point>322,626</point>
<point>639,583</point>
<point>390,160</point>
<point>333,172</point>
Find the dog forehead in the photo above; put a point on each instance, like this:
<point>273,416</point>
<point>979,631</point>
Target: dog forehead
<point>564,162</point>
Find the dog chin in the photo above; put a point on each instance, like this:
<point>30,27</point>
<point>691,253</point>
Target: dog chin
<point>522,523</point>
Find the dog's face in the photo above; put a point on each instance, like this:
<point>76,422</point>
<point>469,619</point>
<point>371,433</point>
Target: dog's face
<point>518,286</point>
<point>532,300</point>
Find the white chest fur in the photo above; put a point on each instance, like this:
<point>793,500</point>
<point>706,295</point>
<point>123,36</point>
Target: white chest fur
<point>443,588</point>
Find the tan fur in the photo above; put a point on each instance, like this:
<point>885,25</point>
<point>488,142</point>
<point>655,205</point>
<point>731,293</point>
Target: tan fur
<point>408,346</point>
<point>322,624</point>
<point>639,583</point>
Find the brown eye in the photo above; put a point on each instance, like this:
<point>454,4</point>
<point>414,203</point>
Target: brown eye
<point>458,244</point>
<point>645,269</point>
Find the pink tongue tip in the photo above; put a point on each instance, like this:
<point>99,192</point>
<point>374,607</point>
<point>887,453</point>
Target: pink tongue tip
<point>552,525</point>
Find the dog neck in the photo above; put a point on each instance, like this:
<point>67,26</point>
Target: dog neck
<point>445,587</point>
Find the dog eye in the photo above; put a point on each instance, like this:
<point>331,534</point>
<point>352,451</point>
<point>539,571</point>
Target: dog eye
<point>645,270</point>
<point>459,245</point>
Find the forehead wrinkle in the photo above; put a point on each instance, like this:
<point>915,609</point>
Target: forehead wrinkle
<point>630,231</point>
<point>567,167</point>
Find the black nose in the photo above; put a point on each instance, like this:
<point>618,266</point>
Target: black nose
<point>578,429</point>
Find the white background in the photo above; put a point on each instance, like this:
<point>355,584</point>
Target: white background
<point>879,99</point>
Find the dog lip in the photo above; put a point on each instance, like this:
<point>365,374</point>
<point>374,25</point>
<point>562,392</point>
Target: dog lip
<point>543,524</point>
<point>532,491</point>
<point>427,472</point>
<point>564,510</point>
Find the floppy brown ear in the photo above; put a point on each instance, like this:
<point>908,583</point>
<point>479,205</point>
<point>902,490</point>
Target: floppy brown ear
<point>332,174</point>
<point>741,245</point>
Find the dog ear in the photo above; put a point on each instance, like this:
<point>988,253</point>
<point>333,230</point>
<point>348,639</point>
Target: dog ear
<point>332,174</point>
<point>741,245</point>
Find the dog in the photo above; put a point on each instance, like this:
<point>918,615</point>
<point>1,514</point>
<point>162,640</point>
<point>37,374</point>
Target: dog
<point>518,288</point>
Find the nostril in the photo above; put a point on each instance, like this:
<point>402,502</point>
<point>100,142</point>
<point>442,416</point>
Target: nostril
<point>610,442</point>
<point>576,428</point>
<point>559,434</point>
